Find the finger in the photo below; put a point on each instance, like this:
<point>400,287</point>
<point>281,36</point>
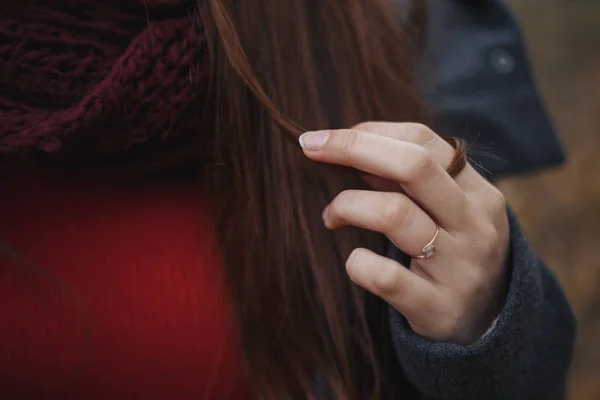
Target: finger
<point>413,296</point>
<point>482,194</point>
<point>414,133</point>
<point>393,214</point>
<point>422,135</point>
<point>422,177</point>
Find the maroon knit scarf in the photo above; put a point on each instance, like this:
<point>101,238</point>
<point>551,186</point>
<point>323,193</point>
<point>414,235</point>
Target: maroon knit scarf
<point>92,79</point>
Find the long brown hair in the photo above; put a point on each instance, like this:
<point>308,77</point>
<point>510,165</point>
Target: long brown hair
<point>278,65</point>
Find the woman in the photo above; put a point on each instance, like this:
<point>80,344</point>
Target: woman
<point>164,238</point>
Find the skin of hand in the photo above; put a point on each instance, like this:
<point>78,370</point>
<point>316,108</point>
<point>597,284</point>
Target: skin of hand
<point>455,295</point>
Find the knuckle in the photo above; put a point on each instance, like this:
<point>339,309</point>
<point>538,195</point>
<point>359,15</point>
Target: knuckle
<point>493,237</point>
<point>394,212</point>
<point>422,133</point>
<point>477,280</point>
<point>421,166</point>
<point>488,233</point>
<point>347,140</point>
<point>387,281</point>
<point>496,200</point>
<point>487,236</point>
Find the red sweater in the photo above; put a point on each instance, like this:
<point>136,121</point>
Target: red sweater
<point>143,315</point>
<point>141,261</point>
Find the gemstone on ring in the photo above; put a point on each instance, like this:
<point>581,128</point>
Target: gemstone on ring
<point>429,250</point>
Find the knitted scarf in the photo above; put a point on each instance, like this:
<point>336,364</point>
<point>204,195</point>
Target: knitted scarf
<point>95,79</point>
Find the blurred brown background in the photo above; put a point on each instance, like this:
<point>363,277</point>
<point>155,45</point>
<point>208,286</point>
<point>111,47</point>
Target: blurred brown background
<point>560,209</point>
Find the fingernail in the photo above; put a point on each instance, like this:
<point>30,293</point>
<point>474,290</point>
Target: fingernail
<point>313,140</point>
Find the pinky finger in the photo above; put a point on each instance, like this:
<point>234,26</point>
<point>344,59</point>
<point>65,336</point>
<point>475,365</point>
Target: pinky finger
<point>412,295</point>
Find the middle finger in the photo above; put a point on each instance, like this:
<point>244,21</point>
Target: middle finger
<point>412,166</point>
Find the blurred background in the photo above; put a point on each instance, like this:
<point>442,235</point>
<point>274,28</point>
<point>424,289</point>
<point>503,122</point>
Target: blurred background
<point>560,209</point>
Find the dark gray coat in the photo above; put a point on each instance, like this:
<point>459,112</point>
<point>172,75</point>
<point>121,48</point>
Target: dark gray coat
<point>475,77</point>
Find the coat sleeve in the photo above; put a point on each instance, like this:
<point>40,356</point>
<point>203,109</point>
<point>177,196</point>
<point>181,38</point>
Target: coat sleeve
<point>525,356</point>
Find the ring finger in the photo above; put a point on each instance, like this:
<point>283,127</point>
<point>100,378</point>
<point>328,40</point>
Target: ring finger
<point>393,214</point>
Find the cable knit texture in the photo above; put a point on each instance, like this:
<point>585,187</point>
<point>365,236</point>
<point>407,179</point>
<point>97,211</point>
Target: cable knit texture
<point>99,76</point>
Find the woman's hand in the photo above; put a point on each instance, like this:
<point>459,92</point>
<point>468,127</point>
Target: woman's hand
<point>455,295</point>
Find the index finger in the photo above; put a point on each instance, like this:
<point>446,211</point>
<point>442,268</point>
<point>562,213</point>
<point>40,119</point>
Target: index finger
<point>411,165</point>
<point>422,135</point>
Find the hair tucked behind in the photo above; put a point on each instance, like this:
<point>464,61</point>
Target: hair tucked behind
<point>320,64</point>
